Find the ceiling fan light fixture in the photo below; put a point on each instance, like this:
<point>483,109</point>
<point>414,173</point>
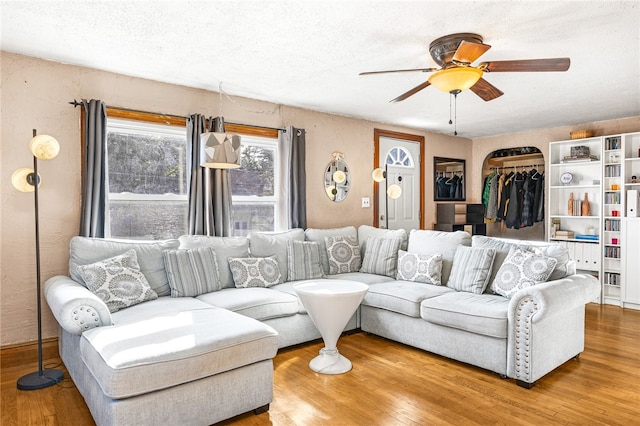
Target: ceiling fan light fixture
<point>455,79</point>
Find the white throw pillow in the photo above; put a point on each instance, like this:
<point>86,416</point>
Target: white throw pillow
<point>343,253</point>
<point>521,269</point>
<point>255,271</point>
<point>471,269</point>
<point>420,267</point>
<point>118,281</point>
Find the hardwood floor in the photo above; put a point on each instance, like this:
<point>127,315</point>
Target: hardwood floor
<point>393,384</point>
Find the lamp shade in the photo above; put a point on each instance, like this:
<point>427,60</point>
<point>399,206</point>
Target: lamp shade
<point>44,147</point>
<point>219,150</point>
<point>23,180</point>
<point>339,176</point>
<point>452,79</point>
<point>378,175</point>
<point>394,191</point>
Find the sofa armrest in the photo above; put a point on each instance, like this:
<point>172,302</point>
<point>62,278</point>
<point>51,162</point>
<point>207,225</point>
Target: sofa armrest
<point>559,295</point>
<point>75,308</point>
<point>546,325</point>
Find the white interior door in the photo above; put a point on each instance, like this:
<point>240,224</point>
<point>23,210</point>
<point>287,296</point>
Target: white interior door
<point>402,159</point>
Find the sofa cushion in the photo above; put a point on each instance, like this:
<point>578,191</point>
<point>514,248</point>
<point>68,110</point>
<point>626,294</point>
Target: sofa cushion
<point>255,302</point>
<point>438,242</point>
<point>288,288</point>
<point>366,231</point>
<point>420,267</point>
<point>343,253</point>
<point>192,272</point>
<point>521,269</point>
<point>382,256</point>
<point>503,246</point>
<point>117,281</point>
<point>225,247</point>
<point>161,306</point>
<point>319,235</point>
<point>255,271</point>
<point>403,297</point>
<point>303,260</point>
<point>484,314</point>
<point>173,348</point>
<point>85,250</point>
<point>471,269</point>
<point>362,277</point>
<point>263,244</point>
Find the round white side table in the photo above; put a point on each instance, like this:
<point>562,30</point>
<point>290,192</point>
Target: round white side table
<point>330,304</point>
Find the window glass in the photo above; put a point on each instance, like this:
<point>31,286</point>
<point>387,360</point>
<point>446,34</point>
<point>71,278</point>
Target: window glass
<point>147,180</point>
<point>253,185</point>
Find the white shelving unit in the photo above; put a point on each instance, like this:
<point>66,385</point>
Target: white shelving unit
<point>604,180</point>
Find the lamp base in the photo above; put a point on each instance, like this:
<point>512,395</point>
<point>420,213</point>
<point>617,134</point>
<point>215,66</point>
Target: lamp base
<point>36,380</point>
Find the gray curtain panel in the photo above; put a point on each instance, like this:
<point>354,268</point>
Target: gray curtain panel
<point>292,140</point>
<point>209,189</point>
<point>95,183</point>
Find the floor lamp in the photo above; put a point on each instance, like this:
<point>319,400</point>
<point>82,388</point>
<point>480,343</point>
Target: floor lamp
<point>43,147</point>
<point>393,191</point>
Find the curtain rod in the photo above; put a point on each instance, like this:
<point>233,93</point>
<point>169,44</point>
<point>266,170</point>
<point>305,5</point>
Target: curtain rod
<point>77,104</point>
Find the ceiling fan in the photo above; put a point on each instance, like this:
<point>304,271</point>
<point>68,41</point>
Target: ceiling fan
<point>454,54</point>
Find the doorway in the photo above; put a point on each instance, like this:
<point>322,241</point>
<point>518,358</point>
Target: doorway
<point>402,155</point>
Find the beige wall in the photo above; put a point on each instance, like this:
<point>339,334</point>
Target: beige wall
<point>35,94</point>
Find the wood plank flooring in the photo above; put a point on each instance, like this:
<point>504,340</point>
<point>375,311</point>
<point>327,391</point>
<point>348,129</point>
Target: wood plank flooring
<point>393,384</point>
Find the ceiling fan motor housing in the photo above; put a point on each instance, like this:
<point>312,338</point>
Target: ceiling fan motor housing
<point>443,48</point>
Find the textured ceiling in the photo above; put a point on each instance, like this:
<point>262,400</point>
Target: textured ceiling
<point>309,53</point>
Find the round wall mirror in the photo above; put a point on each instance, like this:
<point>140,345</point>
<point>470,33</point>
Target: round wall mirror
<point>337,180</point>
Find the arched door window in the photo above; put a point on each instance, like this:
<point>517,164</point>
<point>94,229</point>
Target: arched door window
<point>399,157</point>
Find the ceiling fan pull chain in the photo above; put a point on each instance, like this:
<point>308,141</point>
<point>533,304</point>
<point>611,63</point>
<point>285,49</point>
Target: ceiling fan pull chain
<point>450,94</point>
<point>455,114</point>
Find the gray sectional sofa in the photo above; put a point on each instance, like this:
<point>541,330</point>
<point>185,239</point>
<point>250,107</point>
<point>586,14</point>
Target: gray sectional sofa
<point>205,357</point>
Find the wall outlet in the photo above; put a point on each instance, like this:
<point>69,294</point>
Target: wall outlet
<point>365,202</point>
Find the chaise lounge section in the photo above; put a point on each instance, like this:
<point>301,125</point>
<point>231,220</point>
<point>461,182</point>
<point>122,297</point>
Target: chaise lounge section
<point>207,356</point>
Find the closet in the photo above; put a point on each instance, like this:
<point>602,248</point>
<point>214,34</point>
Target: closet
<point>513,193</point>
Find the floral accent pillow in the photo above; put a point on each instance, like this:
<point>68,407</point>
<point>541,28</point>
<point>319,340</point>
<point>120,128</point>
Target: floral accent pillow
<point>255,271</point>
<point>421,268</point>
<point>118,281</point>
<point>521,269</point>
<point>343,253</point>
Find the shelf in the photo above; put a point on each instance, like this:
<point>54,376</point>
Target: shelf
<point>500,161</point>
<point>576,186</point>
<point>574,240</point>
<point>560,216</point>
<point>577,163</point>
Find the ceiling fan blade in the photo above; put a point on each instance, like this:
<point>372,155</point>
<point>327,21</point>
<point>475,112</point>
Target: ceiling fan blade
<point>391,71</point>
<point>527,65</point>
<point>468,51</point>
<point>411,92</point>
<point>486,90</point>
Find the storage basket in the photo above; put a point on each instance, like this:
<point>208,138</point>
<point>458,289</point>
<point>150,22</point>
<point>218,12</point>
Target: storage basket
<point>581,134</point>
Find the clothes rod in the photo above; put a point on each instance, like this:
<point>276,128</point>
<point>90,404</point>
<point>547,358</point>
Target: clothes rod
<point>75,104</point>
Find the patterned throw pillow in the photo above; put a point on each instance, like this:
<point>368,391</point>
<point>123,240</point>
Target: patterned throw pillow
<point>255,271</point>
<point>118,281</point>
<point>420,267</point>
<point>381,257</point>
<point>343,253</point>
<point>192,272</point>
<point>303,260</point>
<point>521,269</point>
<point>471,269</point>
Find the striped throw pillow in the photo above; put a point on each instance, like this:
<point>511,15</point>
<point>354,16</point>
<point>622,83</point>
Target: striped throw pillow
<point>471,269</point>
<point>192,272</point>
<point>381,256</point>
<point>303,260</point>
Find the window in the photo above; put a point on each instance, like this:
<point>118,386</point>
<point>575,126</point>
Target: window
<point>147,180</point>
<point>147,174</point>
<point>253,185</point>
<point>400,157</point>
